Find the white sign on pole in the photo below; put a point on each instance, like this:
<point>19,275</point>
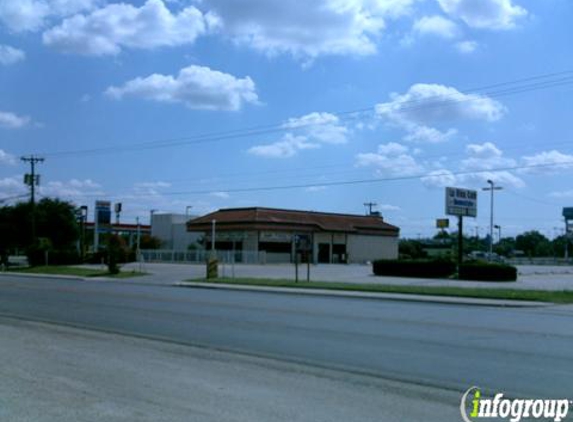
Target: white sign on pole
<point>461,202</point>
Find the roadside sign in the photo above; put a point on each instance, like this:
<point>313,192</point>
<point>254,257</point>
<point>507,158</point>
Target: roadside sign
<point>443,223</point>
<point>461,202</point>
<point>568,213</point>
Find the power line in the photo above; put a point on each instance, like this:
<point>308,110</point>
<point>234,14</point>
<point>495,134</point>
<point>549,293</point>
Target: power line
<point>347,182</point>
<point>541,82</point>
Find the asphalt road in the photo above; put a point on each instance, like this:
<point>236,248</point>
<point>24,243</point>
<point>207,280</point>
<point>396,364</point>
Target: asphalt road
<point>527,352</point>
<point>52,373</point>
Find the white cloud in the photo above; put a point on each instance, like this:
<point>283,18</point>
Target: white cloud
<point>33,15</point>
<point>324,127</point>
<point>6,158</point>
<point>431,103</point>
<point>481,164</point>
<point>484,159</point>
<point>425,105</point>
<point>547,162</point>
<point>466,47</point>
<point>197,87</point>
<point>10,55</point>
<point>12,186</point>
<point>439,179</point>
<point>484,14</point>
<point>436,25</point>
<point>308,132</point>
<point>10,120</point>
<point>287,147</point>
<point>74,189</point>
<point>418,133</point>
<point>309,29</point>
<point>107,30</point>
<point>391,160</point>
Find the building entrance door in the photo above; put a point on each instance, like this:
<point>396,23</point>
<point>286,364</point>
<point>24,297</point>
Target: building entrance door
<point>323,253</point>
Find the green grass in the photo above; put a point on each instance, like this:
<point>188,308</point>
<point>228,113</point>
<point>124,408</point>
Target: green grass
<point>563,296</point>
<point>75,271</point>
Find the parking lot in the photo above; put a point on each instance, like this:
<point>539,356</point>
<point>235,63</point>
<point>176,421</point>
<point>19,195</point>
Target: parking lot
<point>530,276</point>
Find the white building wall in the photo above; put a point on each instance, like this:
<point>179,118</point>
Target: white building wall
<point>362,248</point>
<point>172,231</point>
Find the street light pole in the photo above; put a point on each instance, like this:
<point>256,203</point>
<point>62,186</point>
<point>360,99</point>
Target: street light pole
<point>498,227</point>
<point>491,188</point>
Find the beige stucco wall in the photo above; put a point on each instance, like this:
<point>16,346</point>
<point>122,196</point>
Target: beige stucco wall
<point>362,248</point>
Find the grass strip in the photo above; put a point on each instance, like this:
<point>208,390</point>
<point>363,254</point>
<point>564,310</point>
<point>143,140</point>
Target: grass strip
<point>558,296</point>
<point>75,271</point>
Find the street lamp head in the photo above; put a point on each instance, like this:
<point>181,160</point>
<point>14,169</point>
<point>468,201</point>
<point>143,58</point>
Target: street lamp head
<point>489,181</point>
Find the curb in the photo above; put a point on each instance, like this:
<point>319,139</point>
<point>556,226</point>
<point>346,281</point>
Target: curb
<point>37,275</point>
<point>401,297</point>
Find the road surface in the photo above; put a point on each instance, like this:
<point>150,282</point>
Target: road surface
<point>526,352</point>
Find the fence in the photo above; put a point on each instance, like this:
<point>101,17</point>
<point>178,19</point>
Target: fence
<point>200,256</point>
<point>540,261</point>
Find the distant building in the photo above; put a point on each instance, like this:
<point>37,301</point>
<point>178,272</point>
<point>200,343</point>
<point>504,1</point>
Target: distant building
<point>282,234</point>
<point>171,230</point>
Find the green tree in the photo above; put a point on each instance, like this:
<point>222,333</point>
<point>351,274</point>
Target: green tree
<point>56,229</point>
<point>534,244</point>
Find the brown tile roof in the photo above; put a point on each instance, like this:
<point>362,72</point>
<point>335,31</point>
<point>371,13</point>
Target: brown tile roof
<point>292,220</point>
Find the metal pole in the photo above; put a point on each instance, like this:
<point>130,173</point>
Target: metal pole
<point>491,222</point>
<point>213,251</point>
<point>491,189</point>
<point>460,240</point>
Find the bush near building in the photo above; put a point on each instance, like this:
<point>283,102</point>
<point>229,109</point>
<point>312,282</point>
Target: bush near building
<point>423,268</point>
<point>482,271</point>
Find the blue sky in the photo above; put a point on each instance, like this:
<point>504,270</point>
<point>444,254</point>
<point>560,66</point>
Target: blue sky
<point>168,104</point>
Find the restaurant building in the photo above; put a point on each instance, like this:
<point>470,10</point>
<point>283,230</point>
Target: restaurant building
<point>281,235</point>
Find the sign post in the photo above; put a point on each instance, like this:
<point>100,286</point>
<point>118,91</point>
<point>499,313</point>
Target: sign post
<point>461,203</point>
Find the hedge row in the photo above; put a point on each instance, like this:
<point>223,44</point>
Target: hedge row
<point>414,268</point>
<point>444,269</point>
<point>487,272</point>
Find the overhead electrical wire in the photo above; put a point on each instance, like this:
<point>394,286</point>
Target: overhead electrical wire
<point>349,182</point>
<point>517,86</point>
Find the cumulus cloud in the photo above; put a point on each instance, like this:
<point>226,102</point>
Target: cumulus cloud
<point>10,55</point>
<point>307,132</point>
<point>197,87</point>
<point>309,29</point>
<point>6,158</point>
<point>10,120</point>
<point>439,179</point>
<point>12,186</point>
<point>33,15</point>
<point>425,105</point>
<point>547,162</point>
<point>485,14</point>
<point>436,25</point>
<point>287,147</point>
<point>484,159</point>
<point>74,189</point>
<point>108,30</point>
<point>392,160</point>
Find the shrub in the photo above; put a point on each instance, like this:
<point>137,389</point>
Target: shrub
<point>480,271</point>
<point>437,268</point>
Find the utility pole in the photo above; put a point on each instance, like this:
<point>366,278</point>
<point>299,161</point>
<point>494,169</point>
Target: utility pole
<point>32,180</point>
<point>370,205</point>
<point>491,188</point>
